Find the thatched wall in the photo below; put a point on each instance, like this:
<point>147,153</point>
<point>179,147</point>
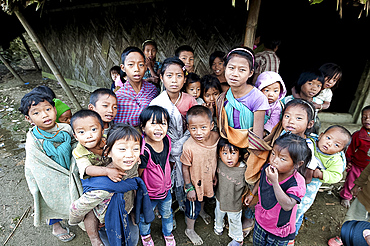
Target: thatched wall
<point>85,43</point>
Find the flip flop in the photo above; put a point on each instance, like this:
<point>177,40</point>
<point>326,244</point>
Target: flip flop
<point>68,233</point>
<point>247,230</point>
<point>335,241</point>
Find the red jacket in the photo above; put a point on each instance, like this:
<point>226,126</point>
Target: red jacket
<point>358,152</point>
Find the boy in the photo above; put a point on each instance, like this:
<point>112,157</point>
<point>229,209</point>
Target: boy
<point>104,102</point>
<point>50,173</point>
<point>199,159</point>
<point>358,156</point>
<point>64,113</point>
<point>186,54</point>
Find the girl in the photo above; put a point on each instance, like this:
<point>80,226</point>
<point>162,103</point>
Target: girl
<point>211,89</point>
<point>194,87</point>
<point>155,170</point>
<point>280,188</point>
<point>177,103</point>
<point>136,93</point>
<point>114,74</point>
<point>216,63</point>
<point>153,66</point>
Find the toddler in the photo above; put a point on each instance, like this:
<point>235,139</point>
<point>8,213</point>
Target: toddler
<point>104,102</point>
<point>357,155</point>
<point>114,74</point>
<point>193,87</point>
<point>51,174</point>
<point>186,54</point>
<point>231,186</point>
<point>280,188</point>
<point>273,87</point>
<point>199,159</point>
<point>64,113</point>
<point>155,170</point>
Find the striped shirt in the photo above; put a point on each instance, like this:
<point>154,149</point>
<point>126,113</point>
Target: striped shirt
<point>267,61</point>
<point>130,104</point>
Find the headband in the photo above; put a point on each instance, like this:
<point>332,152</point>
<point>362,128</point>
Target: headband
<point>147,41</point>
<point>242,49</point>
<point>312,109</point>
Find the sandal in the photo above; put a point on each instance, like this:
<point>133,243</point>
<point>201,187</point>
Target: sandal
<point>235,243</point>
<point>68,233</point>
<point>170,240</point>
<point>247,230</point>
<point>147,243</point>
<point>335,241</point>
<point>218,233</point>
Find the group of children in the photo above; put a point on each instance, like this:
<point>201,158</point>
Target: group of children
<point>181,137</point>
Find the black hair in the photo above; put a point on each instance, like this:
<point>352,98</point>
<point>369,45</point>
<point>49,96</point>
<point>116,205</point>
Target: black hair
<point>84,113</point>
<point>224,143</point>
<point>271,42</point>
<point>332,70</point>
<point>198,110</point>
<point>32,99</point>
<point>129,50</point>
<point>208,82</point>
<point>114,68</point>
<point>95,95</point>
<point>172,60</point>
<point>191,78</point>
<point>307,106</point>
<point>149,42</point>
<point>120,131</point>
<point>43,89</point>
<point>309,76</point>
<point>157,112</point>
<point>214,55</point>
<point>246,53</point>
<point>343,131</point>
<point>297,148</point>
<point>183,48</point>
<point>365,109</point>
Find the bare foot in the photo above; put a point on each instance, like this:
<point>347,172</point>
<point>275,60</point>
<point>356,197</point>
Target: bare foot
<point>206,217</point>
<point>62,234</point>
<point>194,237</point>
<point>345,203</point>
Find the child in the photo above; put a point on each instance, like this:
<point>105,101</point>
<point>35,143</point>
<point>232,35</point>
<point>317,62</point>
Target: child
<point>280,188</point>
<point>87,126</point>
<point>328,151</point>
<point>104,102</point>
<point>357,155</point>
<point>136,93</point>
<point>110,199</point>
<point>177,104</point>
<point>193,87</point>
<point>273,87</point>
<point>186,54</point>
<point>216,63</point>
<point>153,67</point>
<point>50,172</point>
<point>64,113</point>
<point>114,74</point>
<point>155,170</point>
<point>211,89</point>
<point>231,186</point>
<point>199,159</point>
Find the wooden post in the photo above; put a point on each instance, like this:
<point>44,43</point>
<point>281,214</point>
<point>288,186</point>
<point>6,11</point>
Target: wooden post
<point>29,52</point>
<point>48,59</point>
<point>6,63</point>
<point>250,30</point>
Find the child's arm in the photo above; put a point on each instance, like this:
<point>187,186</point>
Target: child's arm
<point>308,175</point>
<point>191,195</point>
<point>250,197</point>
<point>258,122</point>
<point>287,203</point>
<point>114,174</point>
<point>140,171</point>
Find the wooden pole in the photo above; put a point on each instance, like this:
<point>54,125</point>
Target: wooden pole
<point>6,63</point>
<point>48,59</point>
<point>29,52</point>
<point>250,30</point>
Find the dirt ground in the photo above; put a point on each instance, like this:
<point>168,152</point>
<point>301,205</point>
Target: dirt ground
<point>322,221</point>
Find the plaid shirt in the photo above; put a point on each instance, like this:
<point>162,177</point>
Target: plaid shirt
<point>131,104</point>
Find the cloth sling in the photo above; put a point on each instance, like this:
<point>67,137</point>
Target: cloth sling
<point>245,116</point>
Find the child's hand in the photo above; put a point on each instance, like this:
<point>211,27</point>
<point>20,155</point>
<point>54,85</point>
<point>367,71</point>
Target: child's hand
<point>248,199</point>
<point>211,106</point>
<point>317,173</point>
<point>355,190</point>
<point>114,174</point>
<point>191,195</point>
<point>272,174</point>
<point>349,165</point>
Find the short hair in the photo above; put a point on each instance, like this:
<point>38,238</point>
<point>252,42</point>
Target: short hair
<point>170,61</point>
<point>95,95</point>
<point>149,42</point>
<point>157,112</point>
<point>308,76</point>
<point>183,48</point>
<point>208,82</point>
<point>43,89</point>
<point>84,113</point>
<point>224,143</point>
<point>308,107</point>
<point>191,78</point>
<point>344,131</point>
<point>365,109</point>
<point>32,99</point>
<point>332,70</point>
<point>198,110</point>
<point>271,42</point>
<point>128,50</point>
<point>214,55</point>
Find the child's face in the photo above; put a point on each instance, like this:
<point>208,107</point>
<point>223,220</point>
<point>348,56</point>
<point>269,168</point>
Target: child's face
<point>88,131</point>
<point>65,117</point>
<point>114,74</point>
<point>125,153</point>
<point>173,78</point>
<point>281,160</point>
<point>150,52</point>
<point>310,89</point>
<point>332,141</point>
<point>43,115</point>
<point>188,58</point>
<point>365,119</point>
<point>155,132</point>
<point>218,67</point>
<point>295,120</point>
<point>329,83</point>
<point>229,156</point>
<point>272,92</point>
<point>134,67</point>
<point>106,107</point>
<point>200,128</point>
<point>237,71</point>
<point>210,96</point>
<point>193,89</point>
